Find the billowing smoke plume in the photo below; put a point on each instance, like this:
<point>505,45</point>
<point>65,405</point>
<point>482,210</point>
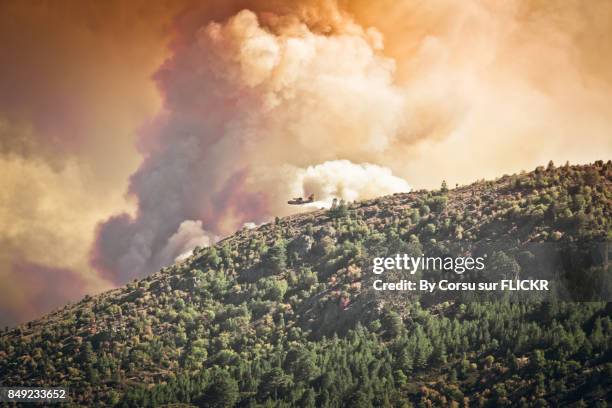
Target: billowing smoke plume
<point>251,104</point>
<point>264,101</point>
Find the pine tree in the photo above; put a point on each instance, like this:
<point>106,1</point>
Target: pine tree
<point>444,187</point>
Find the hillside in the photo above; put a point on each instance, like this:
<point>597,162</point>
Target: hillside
<point>285,314</point>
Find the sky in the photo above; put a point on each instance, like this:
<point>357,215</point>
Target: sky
<point>131,132</point>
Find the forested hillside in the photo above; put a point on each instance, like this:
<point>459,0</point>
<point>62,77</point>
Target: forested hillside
<point>285,315</point>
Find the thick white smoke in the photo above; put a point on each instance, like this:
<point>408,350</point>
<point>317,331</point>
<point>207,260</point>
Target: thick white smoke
<point>335,179</point>
<point>189,235</point>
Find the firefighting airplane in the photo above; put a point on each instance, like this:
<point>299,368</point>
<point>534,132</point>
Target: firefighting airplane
<point>300,200</point>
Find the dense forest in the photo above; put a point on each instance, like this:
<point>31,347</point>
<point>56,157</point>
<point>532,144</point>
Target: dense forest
<point>285,314</point>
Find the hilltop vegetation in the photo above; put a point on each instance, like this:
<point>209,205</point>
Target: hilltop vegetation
<point>285,314</point>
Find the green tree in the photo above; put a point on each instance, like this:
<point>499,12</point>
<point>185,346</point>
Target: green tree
<point>276,257</point>
<point>222,392</point>
<point>444,187</point>
<point>393,324</point>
